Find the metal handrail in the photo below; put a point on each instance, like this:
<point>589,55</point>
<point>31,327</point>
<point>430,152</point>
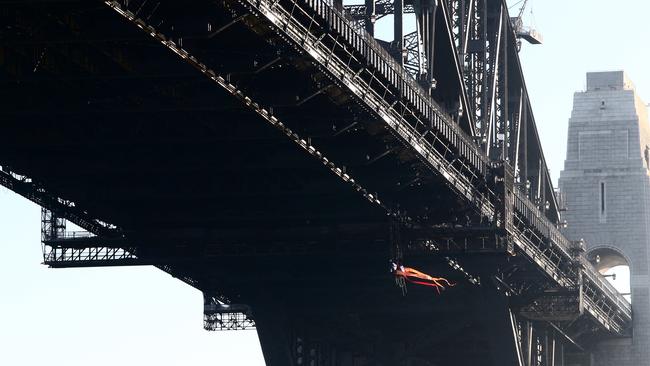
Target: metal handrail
<point>76,234</point>
<point>394,71</point>
<point>600,281</point>
<point>561,241</point>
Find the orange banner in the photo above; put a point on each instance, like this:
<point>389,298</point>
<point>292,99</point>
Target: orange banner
<point>414,276</point>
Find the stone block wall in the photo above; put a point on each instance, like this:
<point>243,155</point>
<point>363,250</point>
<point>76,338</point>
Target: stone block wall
<point>606,187</point>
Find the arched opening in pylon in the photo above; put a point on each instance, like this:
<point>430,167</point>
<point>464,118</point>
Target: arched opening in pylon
<point>612,264</point>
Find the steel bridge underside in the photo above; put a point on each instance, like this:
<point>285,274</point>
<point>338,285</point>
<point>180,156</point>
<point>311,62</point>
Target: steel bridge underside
<point>224,153</point>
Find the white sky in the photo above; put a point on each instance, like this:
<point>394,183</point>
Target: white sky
<point>142,316</point>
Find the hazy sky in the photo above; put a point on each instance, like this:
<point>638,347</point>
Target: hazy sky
<point>143,316</point>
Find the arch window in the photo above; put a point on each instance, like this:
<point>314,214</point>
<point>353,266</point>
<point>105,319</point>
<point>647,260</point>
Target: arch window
<point>614,266</point>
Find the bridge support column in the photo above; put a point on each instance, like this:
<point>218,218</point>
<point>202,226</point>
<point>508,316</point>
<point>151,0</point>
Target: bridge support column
<point>606,187</point>
<point>350,326</point>
<point>273,330</point>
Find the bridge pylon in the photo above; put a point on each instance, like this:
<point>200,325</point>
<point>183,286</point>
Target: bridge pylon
<point>606,186</point>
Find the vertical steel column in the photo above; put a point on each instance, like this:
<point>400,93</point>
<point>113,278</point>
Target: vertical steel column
<point>431,42</point>
<point>398,30</point>
<point>559,354</point>
<point>370,17</point>
<point>529,344</point>
<point>274,334</point>
<point>518,337</point>
<point>550,350</point>
<point>475,56</point>
<point>523,150</point>
<point>503,350</point>
<point>515,137</point>
<point>482,31</point>
<point>52,226</point>
<point>426,18</point>
<point>506,121</point>
<point>494,87</point>
<point>462,13</point>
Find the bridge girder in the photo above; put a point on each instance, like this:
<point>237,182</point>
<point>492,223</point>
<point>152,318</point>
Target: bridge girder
<point>412,130</point>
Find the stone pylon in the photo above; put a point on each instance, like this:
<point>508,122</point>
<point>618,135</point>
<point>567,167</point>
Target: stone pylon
<point>605,185</point>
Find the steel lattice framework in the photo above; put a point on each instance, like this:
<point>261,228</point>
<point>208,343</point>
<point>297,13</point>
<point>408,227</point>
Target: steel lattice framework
<point>447,105</point>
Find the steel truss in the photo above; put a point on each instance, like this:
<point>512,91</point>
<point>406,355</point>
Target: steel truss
<point>60,208</point>
<point>381,9</point>
<point>504,124</point>
<point>62,248</point>
<point>415,57</point>
<point>494,97</point>
<point>218,315</point>
<point>495,162</point>
<point>57,257</point>
<point>65,249</point>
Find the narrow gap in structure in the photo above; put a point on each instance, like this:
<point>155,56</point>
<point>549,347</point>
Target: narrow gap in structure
<point>602,198</point>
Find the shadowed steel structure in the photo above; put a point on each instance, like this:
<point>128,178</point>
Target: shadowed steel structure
<point>276,156</point>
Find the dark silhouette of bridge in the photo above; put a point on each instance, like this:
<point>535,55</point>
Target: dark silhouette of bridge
<point>277,157</point>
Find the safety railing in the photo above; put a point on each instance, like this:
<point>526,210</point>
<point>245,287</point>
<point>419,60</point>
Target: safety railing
<point>76,235</point>
<point>542,224</point>
<point>58,256</point>
<point>387,66</point>
<point>547,229</point>
<point>603,285</point>
<point>377,57</point>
